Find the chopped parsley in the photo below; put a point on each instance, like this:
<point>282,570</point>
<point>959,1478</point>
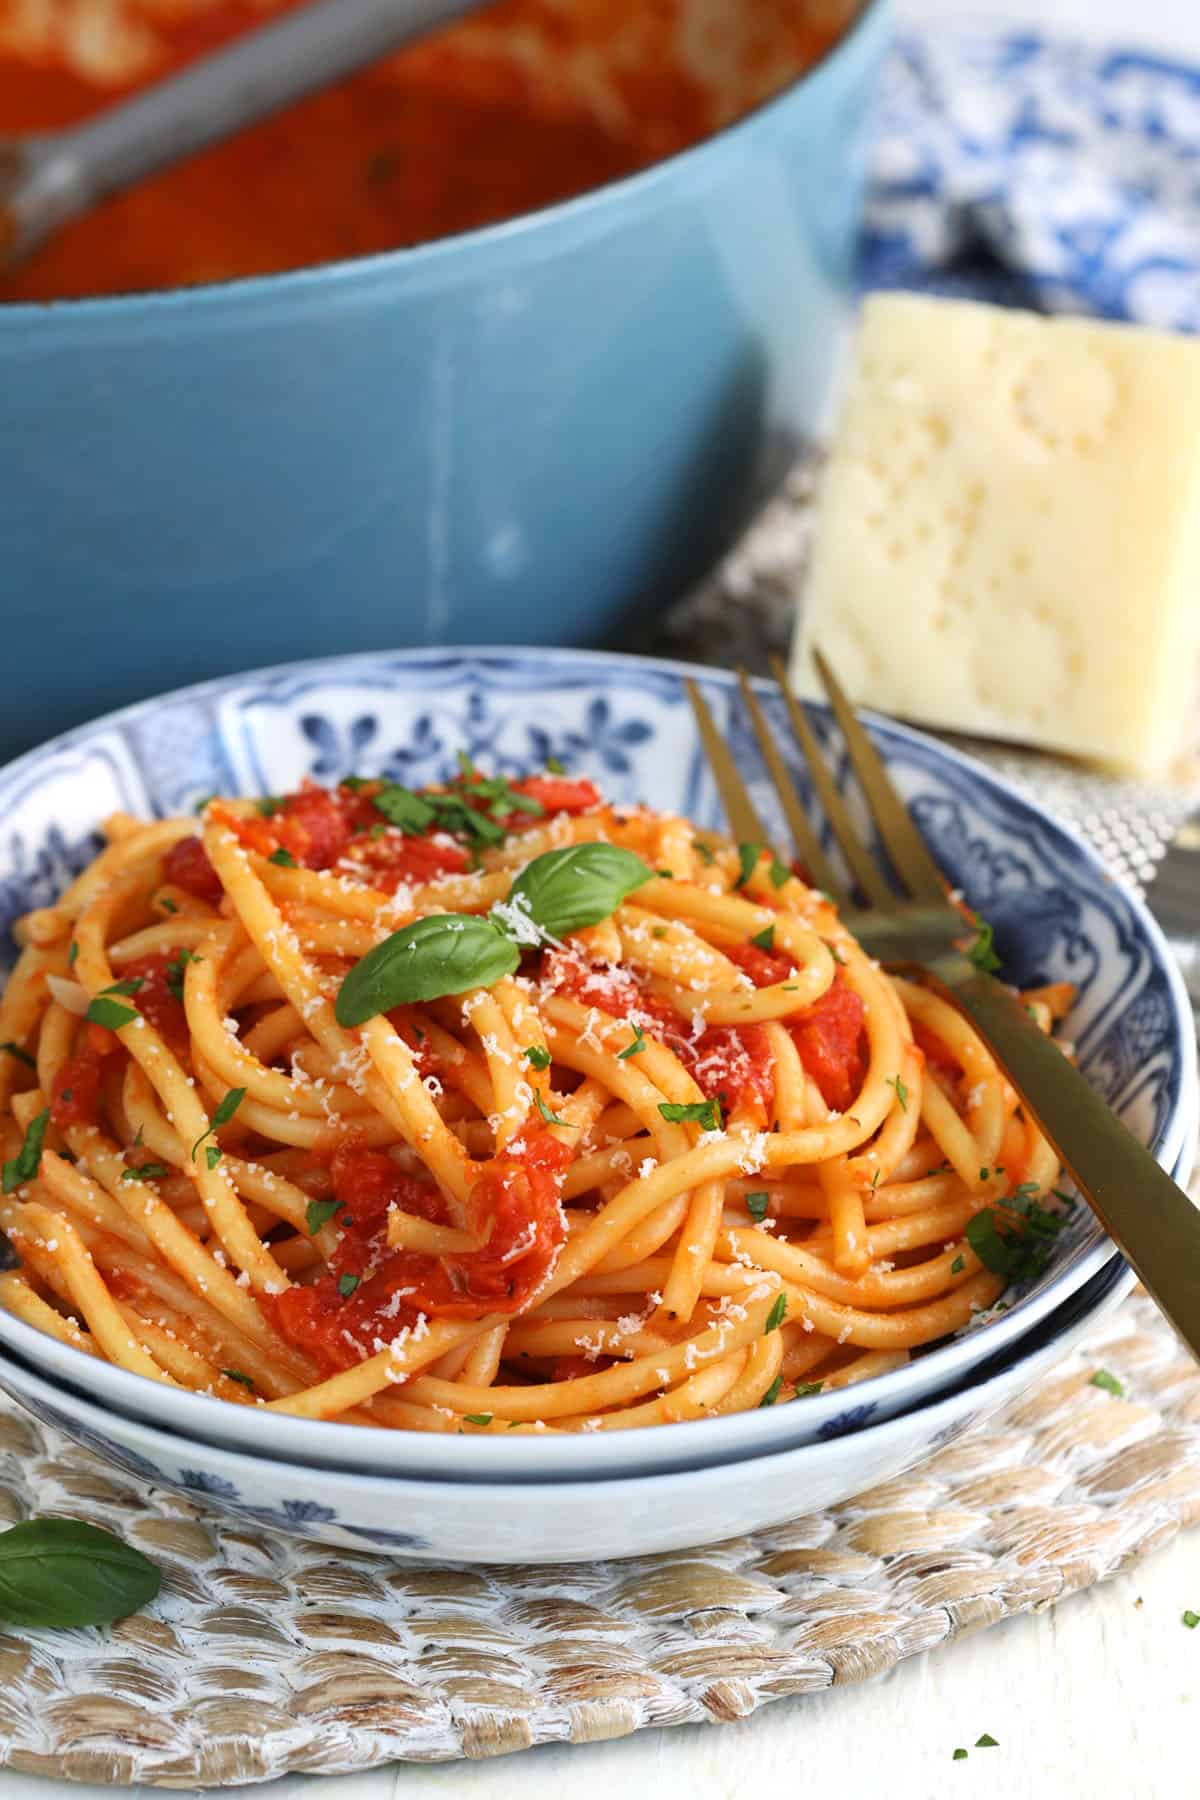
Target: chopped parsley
<point>175,970</point>
<point>765,940</point>
<point>658,931</point>
<point>238,1375</point>
<point>1110,1384</point>
<point>982,952</point>
<point>772,1393</point>
<point>703,852</point>
<point>347,1284</point>
<point>635,1048</point>
<point>805,1388</point>
<point>556,765</point>
<point>478,1418</point>
<point>1191,1619</point>
<point>551,1118</point>
<point>167,904</point>
<point>222,1116</point>
<point>776,1315</point>
<point>960,1755</point>
<point>756,1206</point>
<point>748,855</point>
<point>109,1013</point>
<point>212,1155</point>
<point>958,1265</point>
<point>836,954</point>
<point>318,1213</point>
<point>538,1056</point>
<point>202,802</point>
<point>24,1165</point>
<point>282,858</point>
<point>986,1742</point>
<point>705,1113</point>
<point>19,1055</point>
<point>894,1081</point>
<point>150,1171</point>
<point>72,953</point>
<point>268,805</point>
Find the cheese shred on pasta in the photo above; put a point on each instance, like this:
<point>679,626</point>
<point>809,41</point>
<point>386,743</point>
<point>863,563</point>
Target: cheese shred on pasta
<point>700,1156</point>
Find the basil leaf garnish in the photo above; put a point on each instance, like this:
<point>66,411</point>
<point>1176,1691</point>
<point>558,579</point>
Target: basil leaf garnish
<point>566,890</point>
<point>446,954</point>
<point>60,1573</point>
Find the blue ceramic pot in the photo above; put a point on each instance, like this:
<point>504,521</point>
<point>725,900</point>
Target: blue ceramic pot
<point>522,433</point>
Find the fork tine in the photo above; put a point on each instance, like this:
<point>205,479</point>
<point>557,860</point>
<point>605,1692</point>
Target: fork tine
<point>901,839</point>
<point>813,857</point>
<point>744,821</point>
<point>868,876</point>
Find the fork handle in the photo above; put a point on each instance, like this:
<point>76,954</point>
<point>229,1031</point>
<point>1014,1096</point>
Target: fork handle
<point>1152,1220</point>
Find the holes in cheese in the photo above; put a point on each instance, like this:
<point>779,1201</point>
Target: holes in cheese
<point>1008,531</point>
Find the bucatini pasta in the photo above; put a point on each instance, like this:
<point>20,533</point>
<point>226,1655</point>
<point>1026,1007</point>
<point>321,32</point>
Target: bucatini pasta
<point>491,1107</point>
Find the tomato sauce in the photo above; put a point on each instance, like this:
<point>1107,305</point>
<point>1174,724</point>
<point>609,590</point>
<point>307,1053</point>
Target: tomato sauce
<point>75,1094</point>
<point>529,105</point>
<point>370,1293</point>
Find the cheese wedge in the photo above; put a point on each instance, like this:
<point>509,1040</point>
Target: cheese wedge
<point>1008,531</point>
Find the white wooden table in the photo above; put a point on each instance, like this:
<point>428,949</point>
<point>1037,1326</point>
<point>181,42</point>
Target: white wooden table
<point>1099,1698</point>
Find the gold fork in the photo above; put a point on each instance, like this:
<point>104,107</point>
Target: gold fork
<point>1151,1219</point>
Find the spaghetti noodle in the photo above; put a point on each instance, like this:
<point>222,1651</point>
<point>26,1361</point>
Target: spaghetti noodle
<point>491,1107</point>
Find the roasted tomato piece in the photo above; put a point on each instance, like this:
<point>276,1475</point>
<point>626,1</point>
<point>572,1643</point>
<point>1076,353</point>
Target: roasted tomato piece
<point>186,865</point>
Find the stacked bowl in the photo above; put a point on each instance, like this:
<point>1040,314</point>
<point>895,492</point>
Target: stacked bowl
<point>1057,915</point>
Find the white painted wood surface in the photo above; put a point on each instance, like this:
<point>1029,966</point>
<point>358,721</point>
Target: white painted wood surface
<point>1098,1698</point>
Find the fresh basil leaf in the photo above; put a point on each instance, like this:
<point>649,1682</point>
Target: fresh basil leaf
<point>212,1156</point>
<point>238,1375</point>
<point>346,1285</point>
<point>556,765</point>
<point>772,1393</point>
<point>538,1056</point>
<point>72,953</point>
<point>59,1573</point>
<point>129,986</point>
<point>283,858</point>
<point>776,1315</point>
<point>779,873</point>
<point>478,1418</point>
<point>567,890</point>
<point>24,1165</point>
<point>765,940</point>
<point>318,1213</point>
<point>805,1388</point>
<point>635,1048</point>
<point>446,954</point>
<point>167,904</point>
<point>148,1172</point>
<point>109,1013</point>
<point>756,1206</point>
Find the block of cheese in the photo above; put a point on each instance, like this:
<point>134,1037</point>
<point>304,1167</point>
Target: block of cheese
<point>1007,536</point>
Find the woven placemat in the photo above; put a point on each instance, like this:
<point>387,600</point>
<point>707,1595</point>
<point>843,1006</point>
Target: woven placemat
<point>265,1655</point>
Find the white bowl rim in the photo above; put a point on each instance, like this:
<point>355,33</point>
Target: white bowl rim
<point>210,1418</point>
<point>1121,1280</point>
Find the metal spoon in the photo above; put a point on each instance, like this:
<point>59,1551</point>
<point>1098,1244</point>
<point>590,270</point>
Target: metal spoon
<point>51,177</point>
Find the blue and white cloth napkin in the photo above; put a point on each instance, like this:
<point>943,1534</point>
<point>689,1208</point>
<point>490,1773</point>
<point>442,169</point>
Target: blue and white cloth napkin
<point>1036,172</point>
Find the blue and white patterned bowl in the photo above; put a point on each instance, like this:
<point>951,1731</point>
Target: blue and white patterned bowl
<point>418,1519</point>
<point>1057,915</point>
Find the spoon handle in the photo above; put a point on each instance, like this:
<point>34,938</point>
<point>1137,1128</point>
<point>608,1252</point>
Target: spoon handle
<point>49,178</point>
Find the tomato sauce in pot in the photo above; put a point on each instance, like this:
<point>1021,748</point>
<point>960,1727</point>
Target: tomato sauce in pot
<point>531,103</point>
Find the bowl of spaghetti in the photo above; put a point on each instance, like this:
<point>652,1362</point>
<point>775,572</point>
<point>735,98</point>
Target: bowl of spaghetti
<point>401,1071</point>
